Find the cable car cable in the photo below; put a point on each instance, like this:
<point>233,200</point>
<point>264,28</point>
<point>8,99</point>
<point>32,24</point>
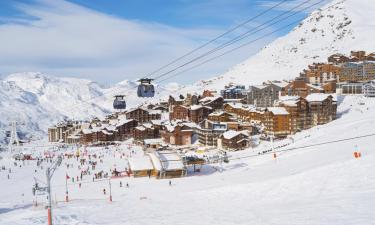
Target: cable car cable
<point>218,37</point>
<point>243,34</point>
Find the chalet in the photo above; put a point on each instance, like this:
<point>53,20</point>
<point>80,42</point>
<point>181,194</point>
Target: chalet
<point>338,59</point>
<point>86,136</point>
<point>263,95</point>
<point>141,166</point>
<point>173,101</point>
<point>215,103</point>
<point>58,132</point>
<point>298,108</point>
<point>277,121</point>
<point>145,131</point>
<point>233,140</point>
<point>323,108</point>
<point>179,112</point>
<point>234,108</point>
<point>167,164</point>
<point>320,73</point>
<point>299,87</point>
<point>208,93</point>
<point>178,134</point>
<point>234,92</point>
<point>191,99</point>
<point>209,131</point>
<point>221,116</point>
<point>105,135</point>
<point>124,128</point>
<point>198,113</point>
<point>143,115</point>
<point>361,71</point>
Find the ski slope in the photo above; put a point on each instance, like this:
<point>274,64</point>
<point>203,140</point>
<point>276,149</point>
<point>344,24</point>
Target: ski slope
<point>324,184</point>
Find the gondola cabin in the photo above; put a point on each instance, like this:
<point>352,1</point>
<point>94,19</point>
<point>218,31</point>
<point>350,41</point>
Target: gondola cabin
<point>119,103</point>
<point>146,88</point>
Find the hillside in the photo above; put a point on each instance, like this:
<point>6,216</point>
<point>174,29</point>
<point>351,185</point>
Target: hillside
<point>338,27</point>
<point>324,184</point>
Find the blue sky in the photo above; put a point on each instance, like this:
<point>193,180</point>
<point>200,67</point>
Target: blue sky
<point>113,40</point>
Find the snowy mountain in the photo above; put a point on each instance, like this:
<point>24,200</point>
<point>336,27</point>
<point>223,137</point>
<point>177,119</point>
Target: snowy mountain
<point>37,101</point>
<point>40,100</point>
<point>338,27</point>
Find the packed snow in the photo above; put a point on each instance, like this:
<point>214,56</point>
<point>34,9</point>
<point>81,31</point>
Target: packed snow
<point>323,184</point>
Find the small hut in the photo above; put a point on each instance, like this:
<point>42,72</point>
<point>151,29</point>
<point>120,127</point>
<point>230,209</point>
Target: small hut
<point>167,164</point>
<point>141,166</point>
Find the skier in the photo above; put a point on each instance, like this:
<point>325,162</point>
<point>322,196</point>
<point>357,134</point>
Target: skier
<point>120,184</point>
<point>170,183</point>
<point>127,184</point>
<point>104,191</point>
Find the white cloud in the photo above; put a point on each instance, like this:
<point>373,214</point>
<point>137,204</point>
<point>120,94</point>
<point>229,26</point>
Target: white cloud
<point>67,39</point>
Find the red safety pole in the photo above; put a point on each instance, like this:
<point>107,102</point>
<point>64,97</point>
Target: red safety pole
<point>49,217</point>
<point>110,190</point>
<point>66,189</point>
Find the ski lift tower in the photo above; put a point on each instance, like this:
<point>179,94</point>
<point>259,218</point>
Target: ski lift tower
<point>13,137</point>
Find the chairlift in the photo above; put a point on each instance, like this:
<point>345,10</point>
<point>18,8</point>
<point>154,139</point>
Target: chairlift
<point>119,103</point>
<point>145,88</point>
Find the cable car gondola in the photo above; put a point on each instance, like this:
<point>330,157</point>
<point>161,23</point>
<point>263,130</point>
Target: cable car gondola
<point>119,103</point>
<point>145,88</point>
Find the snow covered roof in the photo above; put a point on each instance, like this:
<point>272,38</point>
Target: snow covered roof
<point>106,132</point>
<point>147,125</point>
<point>141,128</point>
<point>235,105</point>
<point>153,111</point>
<point>258,86</point>
<point>232,133</point>
<point>280,83</point>
<point>190,124</point>
<point>318,97</point>
<point>140,163</point>
<point>170,127</point>
<point>155,160</point>
<point>170,160</point>
<point>122,121</point>
<point>278,110</point>
<point>219,113</point>
<point>289,100</point>
<point>209,99</point>
<point>157,122</point>
<point>87,131</point>
<point>152,141</point>
<point>196,107</point>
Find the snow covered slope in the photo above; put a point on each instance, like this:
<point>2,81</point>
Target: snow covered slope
<point>323,184</point>
<point>338,27</point>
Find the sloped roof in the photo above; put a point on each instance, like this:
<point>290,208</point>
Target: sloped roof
<point>140,163</point>
<point>318,97</point>
<point>278,110</point>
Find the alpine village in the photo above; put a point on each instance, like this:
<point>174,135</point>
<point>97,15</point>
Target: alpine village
<point>231,119</point>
